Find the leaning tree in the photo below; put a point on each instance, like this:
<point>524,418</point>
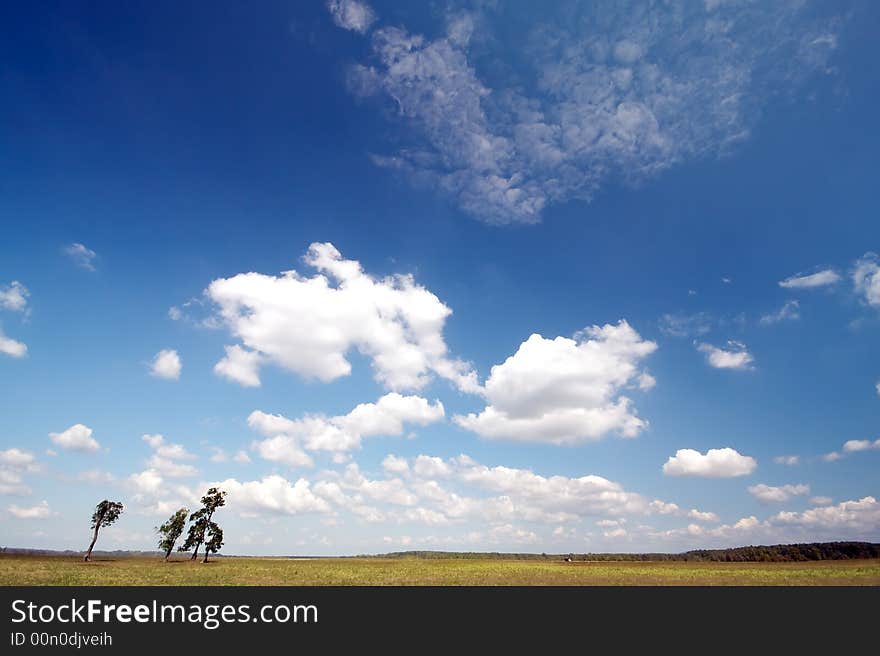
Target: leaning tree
<point>213,539</point>
<point>171,530</point>
<point>201,521</point>
<point>105,514</point>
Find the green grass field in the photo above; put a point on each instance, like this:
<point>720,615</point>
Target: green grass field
<point>57,570</point>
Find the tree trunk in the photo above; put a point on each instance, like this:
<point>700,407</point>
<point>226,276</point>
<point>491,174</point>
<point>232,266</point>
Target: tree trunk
<point>168,553</point>
<point>88,555</point>
<point>206,556</point>
<point>196,552</point>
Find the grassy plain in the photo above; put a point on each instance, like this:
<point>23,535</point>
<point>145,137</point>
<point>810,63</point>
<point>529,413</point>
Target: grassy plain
<point>64,570</point>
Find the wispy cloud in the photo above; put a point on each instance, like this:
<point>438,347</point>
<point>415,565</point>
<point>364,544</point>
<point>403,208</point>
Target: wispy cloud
<point>811,280</point>
<point>615,93</point>
<point>790,311</point>
<point>81,255</point>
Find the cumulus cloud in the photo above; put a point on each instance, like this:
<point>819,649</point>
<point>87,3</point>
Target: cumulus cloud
<point>472,492</point>
<point>240,366</point>
<point>166,365</point>
<point>769,493</point>
<point>821,501</point>
<point>351,14</point>
<point>812,280</point>
<point>14,297</point>
<point>76,438</point>
<point>11,347</point>
<point>308,325</point>
<point>866,279</point>
<point>621,93</point>
<point>853,446</point>
<point>715,463</point>
<point>165,455</point>
<point>862,516</point>
<point>565,391</point>
<point>395,465</point>
<point>272,495</point>
<point>789,461</point>
<point>286,438</point>
<point>165,449</point>
<point>14,464</point>
<point>702,516</point>
<point>82,256</point>
<point>734,356</point>
<point>18,458</point>
<point>790,311</point>
<point>40,511</point>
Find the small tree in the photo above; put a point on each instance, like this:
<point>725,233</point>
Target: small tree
<point>201,521</point>
<point>171,530</point>
<point>105,514</point>
<point>195,535</point>
<point>214,540</point>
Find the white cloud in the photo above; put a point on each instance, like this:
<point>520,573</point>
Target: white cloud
<point>862,516</point>
<point>812,280</point>
<point>76,438</point>
<point>866,278</point>
<point>11,347</point>
<point>431,467</point>
<point>564,391</point>
<point>166,450</point>
<point>344,432</point>
<point>821,501</point>
<point>790,311</point>
<point>831,457</point>
<point>309,325</point>
<point>685,325</point>
<point>877,387</point>
<point>240,366</point>
<point>166,365</point>
<point>95,477</point>
<point>735,356</point>
<point>165,454</point>
<point>351,15</point>
<point>14,463</point>
<point>715,463</point>
<point>395,465</point>
<point>284,449</point>
<point>17,458</point>
<point>83,257</point>
<point>702,516</point>
<point>790,461</point>
<point>852,446</point>
<point>147,483</point>
<point>619,95</point>
<point>534,497</point>
<point>769,493</point>
<point>272,495</point>
<point>240,456</point>
<point>40,511</point>
<point>14,297</point>
<point>170,468</point>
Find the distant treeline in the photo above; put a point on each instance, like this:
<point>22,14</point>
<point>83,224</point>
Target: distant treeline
<point>760,554</point>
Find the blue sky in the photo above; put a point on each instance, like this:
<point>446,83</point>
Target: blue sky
<point>657,225</point>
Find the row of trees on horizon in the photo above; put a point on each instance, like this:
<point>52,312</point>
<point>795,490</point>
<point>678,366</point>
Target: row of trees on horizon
<point>203,530</point>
